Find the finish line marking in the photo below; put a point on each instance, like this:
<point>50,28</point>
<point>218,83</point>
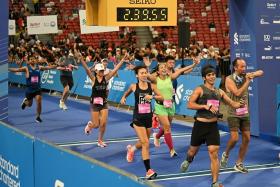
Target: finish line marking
<point>208,172</point>
<point>118,140</point>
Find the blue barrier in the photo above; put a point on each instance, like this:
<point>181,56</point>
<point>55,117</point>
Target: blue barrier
<point>16,158</point>
<point>72,171</point>
<point>278,110</point>
<point>119,84</point>
<point>25,161</point>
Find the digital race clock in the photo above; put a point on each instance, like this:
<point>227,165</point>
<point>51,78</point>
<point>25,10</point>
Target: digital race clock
<point>131,12</point>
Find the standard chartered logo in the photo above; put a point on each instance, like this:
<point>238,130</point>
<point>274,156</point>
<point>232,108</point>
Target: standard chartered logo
<point>179,92</point>
<point>110,83</point>
<point>58,183</point>
<point>235,39</point>
<point>45,76</point>
<point>88,83</point>
<point>182,94</point>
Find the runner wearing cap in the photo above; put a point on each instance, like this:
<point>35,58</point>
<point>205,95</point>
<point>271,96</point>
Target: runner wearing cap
<point>99,105</point>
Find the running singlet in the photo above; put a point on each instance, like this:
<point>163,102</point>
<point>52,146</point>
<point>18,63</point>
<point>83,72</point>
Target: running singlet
<point>142,106</point>
<point>33,82</point>
<point>99,92</point>
<point>165,87</point>
<point>212,97</point>
<point>244,110</point>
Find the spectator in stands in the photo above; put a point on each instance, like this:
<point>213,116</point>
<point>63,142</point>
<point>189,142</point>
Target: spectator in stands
<point>212,25</point>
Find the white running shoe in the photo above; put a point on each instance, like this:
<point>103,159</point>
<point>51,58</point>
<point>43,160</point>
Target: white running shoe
<point>62,105</point>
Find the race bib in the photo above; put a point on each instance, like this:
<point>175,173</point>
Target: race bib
<point>98,100</point>
<point>167,103</point>
<point>213,102</point>
<point>144,108</point>
<point>242,111</point>
<point>34,79</point>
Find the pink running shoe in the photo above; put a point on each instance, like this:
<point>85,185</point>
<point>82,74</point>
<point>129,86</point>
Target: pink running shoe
<point>88,128</point>
<point>101,144</point>
<point>129,154</point>
<point>151,174</point>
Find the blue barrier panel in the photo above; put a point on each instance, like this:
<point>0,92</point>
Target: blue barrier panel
<point>18,77</point>
<point>84,86</point>
<point>61,168</point>
<point>120,84</point>
<point>16,158</point>
<point>278,110</point>
<point>50,79</point>
<point>197,70</point>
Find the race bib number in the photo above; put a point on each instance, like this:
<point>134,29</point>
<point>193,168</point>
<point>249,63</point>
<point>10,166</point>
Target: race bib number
<point>242,111</point>
<point>98,100</point>
<point>167,103</point>
<point>213,102</point>
<point>34,79</point>
<point>144,108</point>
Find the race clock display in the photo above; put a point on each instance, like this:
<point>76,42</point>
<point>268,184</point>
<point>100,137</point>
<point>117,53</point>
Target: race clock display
<point>131,12</point>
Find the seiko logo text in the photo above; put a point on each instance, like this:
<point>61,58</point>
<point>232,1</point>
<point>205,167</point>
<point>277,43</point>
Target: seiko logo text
<point>142,2</point>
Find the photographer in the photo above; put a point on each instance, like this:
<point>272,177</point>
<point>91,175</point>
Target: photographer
<point>206,100</point>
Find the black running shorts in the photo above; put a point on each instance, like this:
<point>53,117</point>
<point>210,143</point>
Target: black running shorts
<point>67,80</point>
<point>205,132</point>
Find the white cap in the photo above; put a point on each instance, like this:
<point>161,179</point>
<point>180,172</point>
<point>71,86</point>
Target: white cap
<point>99,67</point>
<point>205,50</point>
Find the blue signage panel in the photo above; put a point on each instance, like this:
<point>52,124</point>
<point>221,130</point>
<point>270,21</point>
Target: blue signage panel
<point>59,168</point>
<point>16,158</point>
<point>243,44</point>
<point>255,36</point>
<point>4,40</point>
<point>278,110</point>
<point>268,59</point>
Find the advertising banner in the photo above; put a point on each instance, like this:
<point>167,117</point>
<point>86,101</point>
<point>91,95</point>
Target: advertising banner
<point>93,29</point>
<point>69,170</point>
<point>255,37</point>
<point>278,110</point>
<point>12,27</point>
<point>4,40</point>
<point>42,24</point>
<point>16,158</point>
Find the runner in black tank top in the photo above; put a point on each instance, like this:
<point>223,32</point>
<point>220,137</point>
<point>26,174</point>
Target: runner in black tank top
<point>99,107</point>
<point>33,84</point>
<point>142,116</point>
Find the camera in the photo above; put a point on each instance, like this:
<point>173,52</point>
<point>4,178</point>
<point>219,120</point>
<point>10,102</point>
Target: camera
<point>220,115</point>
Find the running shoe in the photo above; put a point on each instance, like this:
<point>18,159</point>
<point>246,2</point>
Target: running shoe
<point>62,105</point>
<point>224,160</point>
<point>38,119</point>
<point>23,104</point>
<point>88,128</point>
<point>184,166</point>
<point>101,144</point>
<point>129,154</point>
<point>151,174</point>
<point>216,184</point>
<point>240,168</point>
<point>156,140</point>
<point>173,153</point>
